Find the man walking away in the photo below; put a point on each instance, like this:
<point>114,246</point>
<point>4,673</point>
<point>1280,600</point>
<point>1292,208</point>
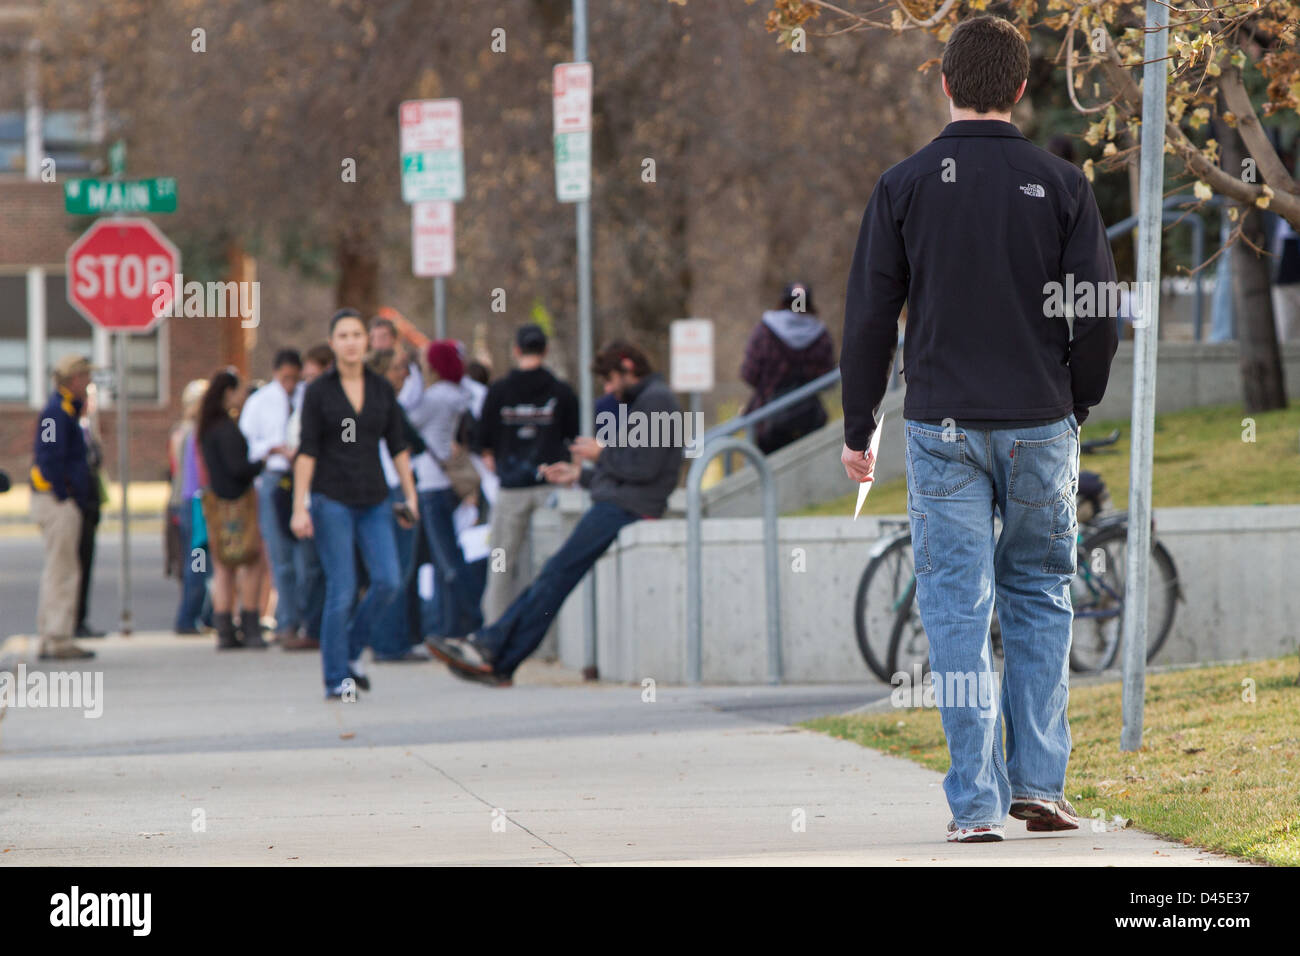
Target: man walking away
<point>528,420</point>
<point>60,479</point>
<point>974,232</point>
<point>628,483</point>
<point>264,421</point>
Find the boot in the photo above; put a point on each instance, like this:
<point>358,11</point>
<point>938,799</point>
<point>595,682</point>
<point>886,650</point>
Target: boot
<point>227,639</point>
<point>250,630</point>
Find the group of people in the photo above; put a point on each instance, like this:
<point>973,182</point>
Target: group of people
<point>355,465</point>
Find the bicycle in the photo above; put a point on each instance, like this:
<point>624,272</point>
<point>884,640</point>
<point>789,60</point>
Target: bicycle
<point>888,625</point>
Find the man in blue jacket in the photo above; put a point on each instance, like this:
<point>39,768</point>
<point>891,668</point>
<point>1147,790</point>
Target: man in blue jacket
<point>61,489</point>
<point>977,233</point>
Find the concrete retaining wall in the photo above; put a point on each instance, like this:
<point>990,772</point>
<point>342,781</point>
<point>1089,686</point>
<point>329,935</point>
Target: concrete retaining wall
<point>1235,565</point>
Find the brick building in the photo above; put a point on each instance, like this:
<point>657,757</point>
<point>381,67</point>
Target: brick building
<point>37,326</point>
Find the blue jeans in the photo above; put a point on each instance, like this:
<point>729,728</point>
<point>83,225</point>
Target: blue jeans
<point>311,586</point>
<point>955,480</point>
<point>456,589</point>
<point>516,635</point>
<point>341,531</point>
<point>280,549</point>
<point>194,607</point>
<point>390,631</point>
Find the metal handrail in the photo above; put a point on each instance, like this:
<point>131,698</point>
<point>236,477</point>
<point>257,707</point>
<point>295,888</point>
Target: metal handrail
<point>695,556</point>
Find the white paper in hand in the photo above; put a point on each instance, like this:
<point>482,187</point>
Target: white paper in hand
<point>865,486</point>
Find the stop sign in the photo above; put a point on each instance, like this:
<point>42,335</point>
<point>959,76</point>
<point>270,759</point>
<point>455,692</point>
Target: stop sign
<point>121,274</point>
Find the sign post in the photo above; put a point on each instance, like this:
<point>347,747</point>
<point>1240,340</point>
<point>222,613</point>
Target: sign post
<point>118,271</point>
<point>433,172</point>
<point>571,105</point>
<point>1150,223</point>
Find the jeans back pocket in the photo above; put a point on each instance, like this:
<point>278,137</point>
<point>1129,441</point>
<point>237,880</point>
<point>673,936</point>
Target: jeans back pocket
<point>937,462</point>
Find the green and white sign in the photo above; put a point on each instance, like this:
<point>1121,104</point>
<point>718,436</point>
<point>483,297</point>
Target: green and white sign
<point>433,159</point>
<point>91,197</point>
<point>573,166</point>
<point>571,85</point>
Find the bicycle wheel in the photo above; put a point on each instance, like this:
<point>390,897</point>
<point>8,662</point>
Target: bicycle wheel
<point>1097,593</point>
<point>888,575</point>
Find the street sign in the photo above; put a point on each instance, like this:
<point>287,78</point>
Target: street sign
<point>433,238</point>
<point>433,157</point>
<point>691,355</point>
<point>571,112</point>
<point>91,197</point>
<point>113,273</point>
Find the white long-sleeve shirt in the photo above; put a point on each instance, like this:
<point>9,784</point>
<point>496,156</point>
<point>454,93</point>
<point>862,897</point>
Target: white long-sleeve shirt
<point>265,424</point>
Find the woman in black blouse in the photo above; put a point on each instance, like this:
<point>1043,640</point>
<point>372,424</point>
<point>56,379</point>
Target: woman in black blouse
<point>230,477</point>
<point>345,412</point>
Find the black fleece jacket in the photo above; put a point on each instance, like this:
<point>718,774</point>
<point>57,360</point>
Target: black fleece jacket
<point>970,231</point>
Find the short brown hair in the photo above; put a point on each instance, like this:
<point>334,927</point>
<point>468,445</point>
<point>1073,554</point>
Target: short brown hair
<point>321,354</point>
<point>985,61</point>
<point>621,356</point>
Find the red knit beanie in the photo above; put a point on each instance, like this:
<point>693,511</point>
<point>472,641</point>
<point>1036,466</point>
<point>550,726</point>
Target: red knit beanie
<point>445,360</point>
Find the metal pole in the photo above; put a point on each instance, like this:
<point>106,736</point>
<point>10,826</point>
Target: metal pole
<point>1151,179</point>
<point>124,464</point>
<point>440,308</point>
<point>586,404</point>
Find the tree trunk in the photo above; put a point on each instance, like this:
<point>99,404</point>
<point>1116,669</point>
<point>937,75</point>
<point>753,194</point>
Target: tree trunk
<point>1262,383</point>
<point>358,281</point>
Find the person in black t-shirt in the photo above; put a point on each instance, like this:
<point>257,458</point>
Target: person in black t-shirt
<point>529,419</point>
<point>345,413</point>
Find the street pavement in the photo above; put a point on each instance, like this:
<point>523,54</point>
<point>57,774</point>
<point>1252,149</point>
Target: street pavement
<point>202,758</point>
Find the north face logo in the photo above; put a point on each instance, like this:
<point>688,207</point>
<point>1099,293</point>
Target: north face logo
<point>1035,190</point>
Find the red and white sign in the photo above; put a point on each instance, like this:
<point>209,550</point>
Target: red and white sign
<point>433,238</point>
<point>122,275</point>
<point>691,355</point>
<point>427,125</point>
<point>571,97</point>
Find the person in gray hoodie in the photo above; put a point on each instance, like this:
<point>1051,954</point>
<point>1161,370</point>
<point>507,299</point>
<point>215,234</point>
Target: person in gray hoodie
<point>788,348</point>
<point>634,470</point>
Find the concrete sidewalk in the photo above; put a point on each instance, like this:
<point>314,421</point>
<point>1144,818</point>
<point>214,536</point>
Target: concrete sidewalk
<point>430,770</point>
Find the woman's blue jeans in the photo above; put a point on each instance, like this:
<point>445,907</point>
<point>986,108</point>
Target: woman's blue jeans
<point>340,532</point>
<point>457,593</point>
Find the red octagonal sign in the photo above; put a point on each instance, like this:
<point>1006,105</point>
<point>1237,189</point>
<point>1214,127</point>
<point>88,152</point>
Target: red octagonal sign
<point>122,275</point>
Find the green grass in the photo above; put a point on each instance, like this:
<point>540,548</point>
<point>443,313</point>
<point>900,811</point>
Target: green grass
<point>1214,770</point>
<point>1199,458</point>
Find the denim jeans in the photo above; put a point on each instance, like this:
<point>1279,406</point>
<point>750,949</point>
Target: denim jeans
<point>280,549</point>
<point>457,591</point>
<point>390,631</point>
<point>194,607</point>
<point>311,586</point>
<point>518,632</point>
<point>956,478</point>
<point>341,531</point>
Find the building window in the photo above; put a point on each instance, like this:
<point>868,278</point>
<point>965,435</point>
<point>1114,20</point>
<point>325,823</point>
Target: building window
<point>13,338</point>
<point>65,332</point>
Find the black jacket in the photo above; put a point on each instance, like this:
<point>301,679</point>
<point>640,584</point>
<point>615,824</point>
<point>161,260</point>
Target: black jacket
<point>225,453</point>
<point>638,475</point>
<point>529,418</point>
<point>969,232</point>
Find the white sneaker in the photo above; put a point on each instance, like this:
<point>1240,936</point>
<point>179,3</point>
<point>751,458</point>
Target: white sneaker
<point>985,833</point>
